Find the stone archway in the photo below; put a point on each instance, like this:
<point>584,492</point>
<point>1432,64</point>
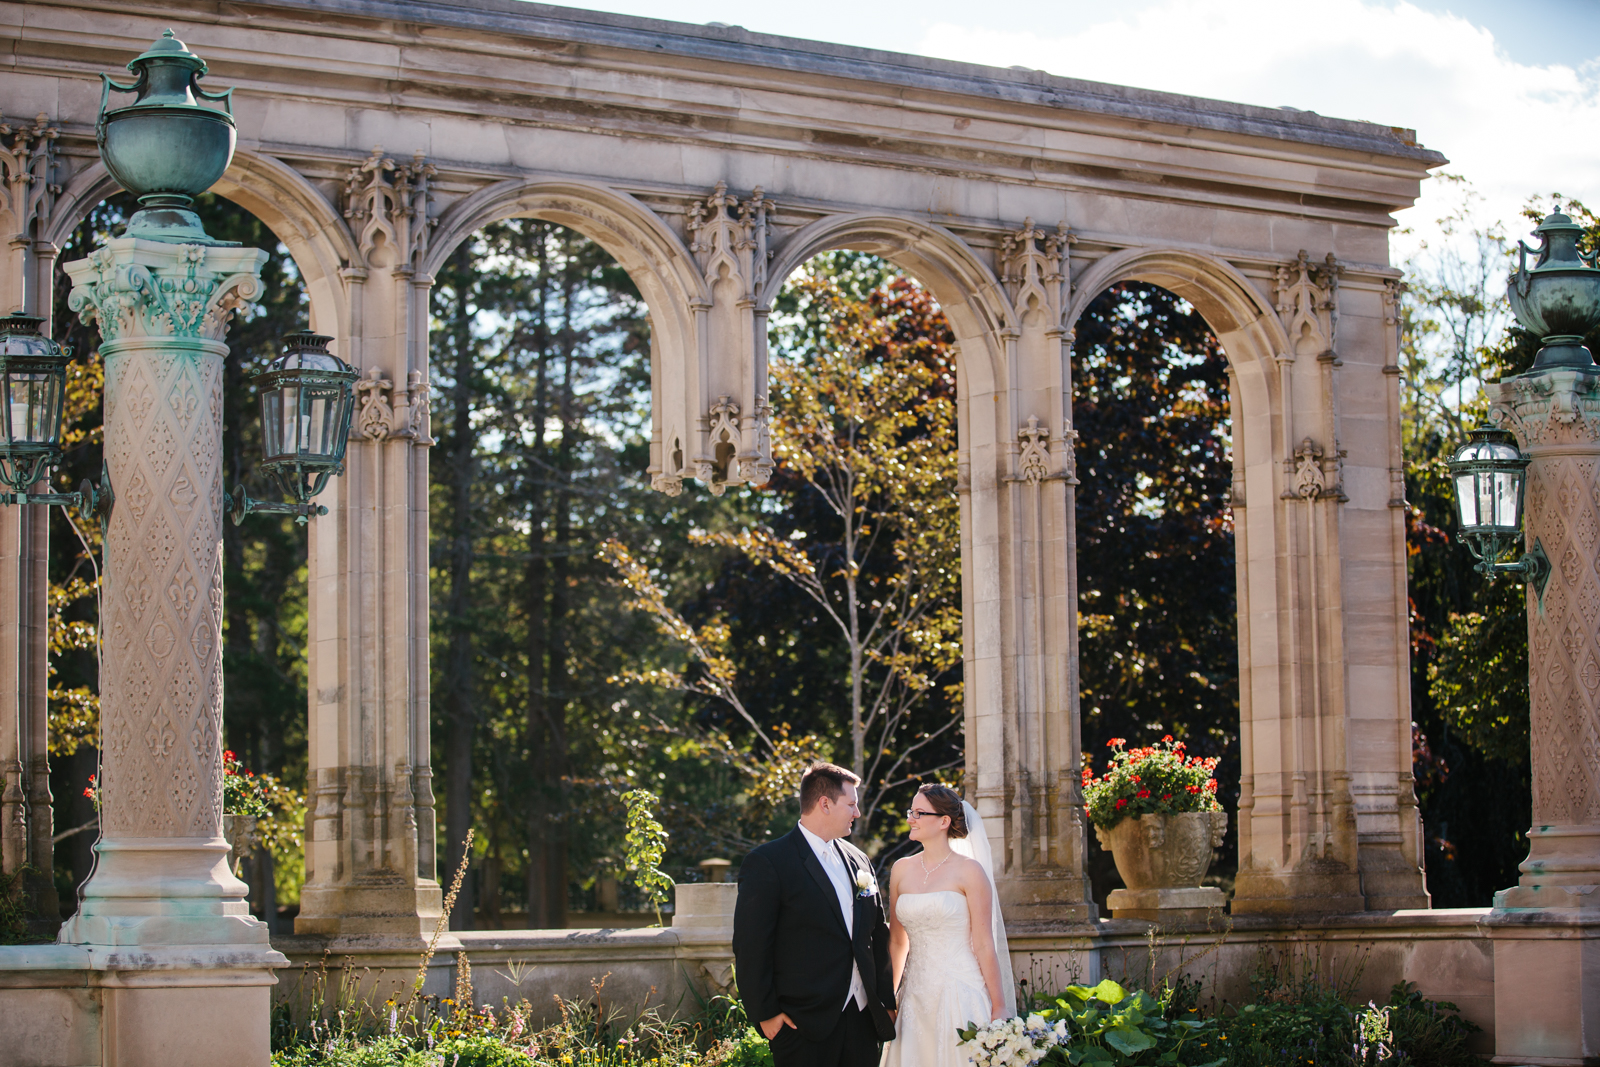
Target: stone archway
<point>1327,813</point>
<point>710,180</point>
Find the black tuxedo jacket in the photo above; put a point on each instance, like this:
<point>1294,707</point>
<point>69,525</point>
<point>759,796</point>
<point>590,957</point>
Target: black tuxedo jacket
<point>790,945</point>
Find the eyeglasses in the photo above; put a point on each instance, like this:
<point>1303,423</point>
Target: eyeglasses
<point>913,815</point>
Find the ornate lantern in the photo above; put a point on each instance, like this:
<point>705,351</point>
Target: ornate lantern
<point>33,386</point>
<point>1487,474</point>
<point>307,399</point>
<point>166,148</point>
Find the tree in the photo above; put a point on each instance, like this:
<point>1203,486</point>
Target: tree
<point>1158,646</point>
<point>862,522</point>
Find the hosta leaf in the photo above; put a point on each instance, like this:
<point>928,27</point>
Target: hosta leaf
<point>1108,992</point>
<point>1128,1040</point>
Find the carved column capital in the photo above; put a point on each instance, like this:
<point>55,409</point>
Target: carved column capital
<point>139,289</point>
<point>1551,409</point>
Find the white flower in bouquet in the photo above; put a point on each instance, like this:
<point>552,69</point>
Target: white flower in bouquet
<point>1013,1042</point>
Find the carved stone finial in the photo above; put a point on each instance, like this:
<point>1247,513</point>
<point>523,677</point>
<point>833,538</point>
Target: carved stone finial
<point>387,204</point>
<point>1308,304</point>
<point>1037,278</point>
<point>1308,480</point>
<point>730,237</point>
<point>375,419</point>
<point>1034,463</point>
<point>29,170</point>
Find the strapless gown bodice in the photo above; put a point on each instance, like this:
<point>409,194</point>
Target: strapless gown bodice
<point>941,989</point>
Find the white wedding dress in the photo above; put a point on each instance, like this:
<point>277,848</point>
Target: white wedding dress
<point>941,989</point>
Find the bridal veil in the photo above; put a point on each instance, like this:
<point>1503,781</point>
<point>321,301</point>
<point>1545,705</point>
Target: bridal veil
<point>976,846</point>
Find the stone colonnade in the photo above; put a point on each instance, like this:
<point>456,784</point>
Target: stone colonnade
<point>1274,224</point>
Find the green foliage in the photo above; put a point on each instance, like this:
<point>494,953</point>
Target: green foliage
<point>1157,780</point>
<point>242,793</point>
<point>1111,1026</point>
<point>647,845</point>
<point>1478,677</point>
<point>319,1026</point>
<point>1431,1033</point>
<point>16,908</point>
<point>1304,1021</point>
<point>748,1049</point>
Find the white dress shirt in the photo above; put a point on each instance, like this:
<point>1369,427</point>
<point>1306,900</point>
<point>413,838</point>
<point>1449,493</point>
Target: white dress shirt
<point>839,874</point>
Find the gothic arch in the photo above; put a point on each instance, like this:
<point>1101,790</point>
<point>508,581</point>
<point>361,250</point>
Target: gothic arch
<point>980,314</point>
<point>1240,315</point>
<point>636,237</point>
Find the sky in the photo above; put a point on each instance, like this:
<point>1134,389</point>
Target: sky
<point>1509,90</point>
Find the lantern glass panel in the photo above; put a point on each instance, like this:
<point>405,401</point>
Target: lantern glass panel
<point>31,402</point>
<point>1467,498</point>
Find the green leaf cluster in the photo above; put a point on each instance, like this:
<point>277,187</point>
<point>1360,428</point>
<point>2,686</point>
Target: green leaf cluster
<point>1111,1026</point>
<point>647,846</point>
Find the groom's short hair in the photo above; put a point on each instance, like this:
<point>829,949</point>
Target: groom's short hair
<point>824,780</point>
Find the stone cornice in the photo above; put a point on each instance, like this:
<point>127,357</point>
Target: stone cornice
<point>737,45</point>
<point>548,68</point>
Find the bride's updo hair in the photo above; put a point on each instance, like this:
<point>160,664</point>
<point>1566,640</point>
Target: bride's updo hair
<point>946,801</point>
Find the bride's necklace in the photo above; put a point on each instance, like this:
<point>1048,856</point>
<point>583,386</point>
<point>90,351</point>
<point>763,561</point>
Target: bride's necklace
<point>926,872</point>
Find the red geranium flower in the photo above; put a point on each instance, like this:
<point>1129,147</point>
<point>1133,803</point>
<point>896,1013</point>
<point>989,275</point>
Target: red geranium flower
<point>1122,803</point>
<point>1142,794</point>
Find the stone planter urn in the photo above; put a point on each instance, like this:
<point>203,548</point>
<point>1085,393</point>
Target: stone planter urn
<point>1161,859</point>
<point>240,831</point>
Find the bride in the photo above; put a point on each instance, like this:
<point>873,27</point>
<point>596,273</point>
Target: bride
<point>946,941</point>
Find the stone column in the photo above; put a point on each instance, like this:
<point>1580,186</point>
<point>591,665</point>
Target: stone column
<point>1546,928</point>
<point>1023,729</point>
<point>167,924</point>
<point>30,177</point>
<point>370,845</point>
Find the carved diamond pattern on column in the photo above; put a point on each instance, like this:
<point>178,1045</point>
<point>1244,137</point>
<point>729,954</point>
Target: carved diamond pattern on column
<point>172,545</point>
<point>163,548</point>
<point>1556,418</point>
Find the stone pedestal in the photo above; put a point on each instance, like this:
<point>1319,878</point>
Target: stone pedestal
<point>1546,928</point>
<point>1201,905</point>
<point>162,912</point>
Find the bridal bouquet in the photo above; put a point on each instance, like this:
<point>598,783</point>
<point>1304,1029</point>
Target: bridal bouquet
<point>1012,1042</point>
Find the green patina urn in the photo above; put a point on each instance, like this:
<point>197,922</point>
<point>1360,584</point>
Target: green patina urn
<point>1558,298</point>
<point>166,148</point>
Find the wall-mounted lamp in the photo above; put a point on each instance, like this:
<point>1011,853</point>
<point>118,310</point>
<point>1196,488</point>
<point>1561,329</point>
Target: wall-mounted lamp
<point>307,400</point>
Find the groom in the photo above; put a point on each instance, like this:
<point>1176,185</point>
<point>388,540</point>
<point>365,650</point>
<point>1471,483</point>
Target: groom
<point>811,936</point>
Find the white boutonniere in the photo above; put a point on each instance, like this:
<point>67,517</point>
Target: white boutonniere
<point>865,884</point>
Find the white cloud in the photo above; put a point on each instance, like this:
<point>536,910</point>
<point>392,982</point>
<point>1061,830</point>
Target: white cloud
<point>1512,129</point>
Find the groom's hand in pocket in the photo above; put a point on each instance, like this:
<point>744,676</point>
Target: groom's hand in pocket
<point>770,1027</point>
